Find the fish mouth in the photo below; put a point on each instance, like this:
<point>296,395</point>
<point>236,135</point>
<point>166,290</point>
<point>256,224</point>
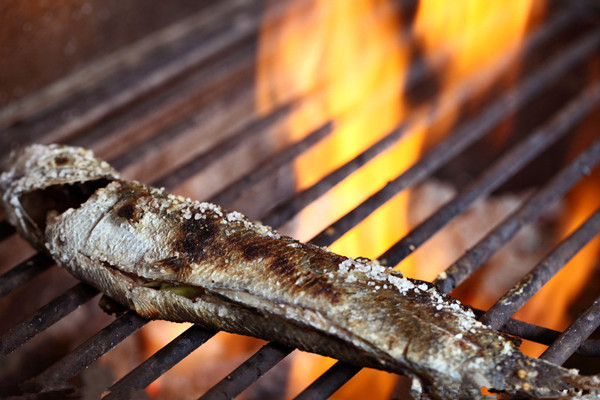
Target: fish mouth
<point>45,181</point>
<point>42,204</point>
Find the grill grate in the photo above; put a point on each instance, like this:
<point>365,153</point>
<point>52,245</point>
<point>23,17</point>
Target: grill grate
<point>210,66</point>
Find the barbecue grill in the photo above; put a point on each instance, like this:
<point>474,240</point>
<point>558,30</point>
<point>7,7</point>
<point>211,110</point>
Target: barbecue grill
<point>176,109</point>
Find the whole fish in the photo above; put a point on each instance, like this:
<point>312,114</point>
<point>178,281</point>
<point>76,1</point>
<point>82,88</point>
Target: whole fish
<point>171,258</point>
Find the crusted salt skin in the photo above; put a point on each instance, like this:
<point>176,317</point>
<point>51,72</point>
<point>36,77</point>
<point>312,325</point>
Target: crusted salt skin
<point>171,258</point>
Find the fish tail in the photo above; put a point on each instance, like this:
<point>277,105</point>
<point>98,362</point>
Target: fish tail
<point>544,380</point>
<point>586,384</point>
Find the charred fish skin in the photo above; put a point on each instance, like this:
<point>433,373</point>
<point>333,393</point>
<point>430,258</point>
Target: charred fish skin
<point>171,258</point>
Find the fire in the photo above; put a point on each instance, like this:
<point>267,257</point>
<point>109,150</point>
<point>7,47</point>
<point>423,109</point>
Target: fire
<point>334,56</point>
<point>470,34</point>
<point>347,63</point>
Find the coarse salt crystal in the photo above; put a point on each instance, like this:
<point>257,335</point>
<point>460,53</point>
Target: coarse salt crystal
<point>234,216</point>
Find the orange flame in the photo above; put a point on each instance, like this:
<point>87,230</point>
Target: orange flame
<point>347,63</point>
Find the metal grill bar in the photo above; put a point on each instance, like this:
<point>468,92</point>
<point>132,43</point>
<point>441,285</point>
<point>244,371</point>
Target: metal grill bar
<point>127,88</point>
<point>531,283</point>
<point>45,317</point>
<point>248,372</point>
<point>159,363</point>
<point>538,334</point>
<point>569,340</point>
<point>228,73</point>
<point>233,191</point>
<point>285,211</point>
<point>56,376</point>
<point>23,272</point>
<point>333,379</point>
<point>464,136</point>
<point>206,158</point>
<point>497,173</point>
<point>549,193</point>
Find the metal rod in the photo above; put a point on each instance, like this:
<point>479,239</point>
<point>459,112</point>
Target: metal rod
<point>568,342</point>
<point>159,363</point>
<point>23,272</point>
<point>45,316</point>
<point>464,136</point>
<point>85,354</point>
<point>240,138</point>
<point>498,173</point>
<point>125,89</point>
<point>528,212</point>
<point>333,379</point>
<point>229,194</point>
<point>283,212</point>
<point>531,283</point>
<point>226,84</point>
<point>248,372</point>
<point>538,334</point>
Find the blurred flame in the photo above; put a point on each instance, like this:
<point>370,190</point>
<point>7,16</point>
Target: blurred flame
<point>470,34</point>
<point>347,63</point>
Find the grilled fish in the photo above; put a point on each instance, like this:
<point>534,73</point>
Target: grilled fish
<point>171,258</point>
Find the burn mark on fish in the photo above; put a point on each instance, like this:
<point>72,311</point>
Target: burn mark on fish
<point>135,200</point>
<point>173,263</point>
<point>282,266</point>
<point>127,211</point>
<point>254,249</point>
<point>61,160</point>
<point>318,285</point>
<point>197,240</point>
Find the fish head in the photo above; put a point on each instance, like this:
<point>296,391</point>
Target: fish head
<point>42,181</point>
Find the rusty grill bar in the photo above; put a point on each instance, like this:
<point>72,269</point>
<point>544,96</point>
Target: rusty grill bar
<point>204,72</point>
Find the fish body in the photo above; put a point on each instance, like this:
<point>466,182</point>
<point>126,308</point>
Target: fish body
<point>171,258</point>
